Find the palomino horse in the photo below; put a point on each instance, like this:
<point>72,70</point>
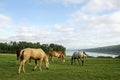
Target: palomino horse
<point>78,55</point>
<point>58,54</point>
<point>37,54</point>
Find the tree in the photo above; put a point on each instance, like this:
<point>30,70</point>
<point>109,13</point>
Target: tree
<point>13,46</point>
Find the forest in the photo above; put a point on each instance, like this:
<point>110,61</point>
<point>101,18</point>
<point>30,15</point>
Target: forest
<point>11,47</point>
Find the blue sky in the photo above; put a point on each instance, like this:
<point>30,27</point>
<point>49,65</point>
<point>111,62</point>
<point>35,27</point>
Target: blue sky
<point>74,24</point>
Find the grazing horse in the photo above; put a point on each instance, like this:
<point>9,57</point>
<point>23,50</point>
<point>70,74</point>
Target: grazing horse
<point>18,54</point>
<point>58,54</point>
<point>78,55</point>
<point>37,54</point>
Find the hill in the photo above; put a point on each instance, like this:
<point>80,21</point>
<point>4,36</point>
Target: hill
<point>114,49</point>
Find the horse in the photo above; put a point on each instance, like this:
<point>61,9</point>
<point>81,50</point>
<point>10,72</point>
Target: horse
<point>37,54</point>
<point>78,55</point>
<point>18,54</point>
<point>58,54</point>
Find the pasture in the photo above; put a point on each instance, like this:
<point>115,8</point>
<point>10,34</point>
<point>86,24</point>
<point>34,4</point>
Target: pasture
<point>94,69</point>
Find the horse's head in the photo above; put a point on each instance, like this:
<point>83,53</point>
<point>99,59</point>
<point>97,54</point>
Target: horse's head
<point>18,53</point>
<point>46,62</point>
<point>85,55</point>
<point>61,56</point>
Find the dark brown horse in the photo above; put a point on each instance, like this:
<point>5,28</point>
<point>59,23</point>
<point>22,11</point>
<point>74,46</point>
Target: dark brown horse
<point>58,54</point>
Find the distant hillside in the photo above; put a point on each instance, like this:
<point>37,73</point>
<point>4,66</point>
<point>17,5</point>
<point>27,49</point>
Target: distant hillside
<point>114,49</point>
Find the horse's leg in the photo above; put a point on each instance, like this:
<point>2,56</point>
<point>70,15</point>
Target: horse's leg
<point>36,64</point>
<point>23,64</point>
<point>40,64</point>
<point>51,58</point>
<point>74,61</point>
<point>78,60</point>
<point>82,62</point>
<point>19,69</point>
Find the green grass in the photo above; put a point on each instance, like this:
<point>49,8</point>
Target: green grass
<point>94,69</point>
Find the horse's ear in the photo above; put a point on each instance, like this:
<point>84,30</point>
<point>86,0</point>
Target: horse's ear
<point>84,52</point>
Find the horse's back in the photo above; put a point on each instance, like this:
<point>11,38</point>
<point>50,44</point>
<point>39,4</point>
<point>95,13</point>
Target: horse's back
<point>33,53</point>
<point>82,53</point>
<point>53,53</point>
<point>78,54</point>
<point>38,51</point>
<point>25,53</point>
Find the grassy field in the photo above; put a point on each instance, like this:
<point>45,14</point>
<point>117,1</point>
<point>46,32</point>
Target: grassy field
<point>94,69</point>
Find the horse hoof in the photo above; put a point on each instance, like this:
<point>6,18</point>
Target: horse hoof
<point>47,68</point>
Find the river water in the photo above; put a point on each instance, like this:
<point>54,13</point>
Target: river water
<point>70,52</point>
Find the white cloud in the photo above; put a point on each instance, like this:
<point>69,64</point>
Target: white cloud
<point>32,32</point>
<point>100,6</point>
<point>63,28</point>
<point>5,21</point>
<point>115,17</point>
<point>116,3</point>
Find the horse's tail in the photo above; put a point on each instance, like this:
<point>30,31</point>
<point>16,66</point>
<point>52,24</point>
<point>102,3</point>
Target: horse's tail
<point>21,57</point>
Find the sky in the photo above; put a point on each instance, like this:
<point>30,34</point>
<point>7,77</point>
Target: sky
<point>75,24</point>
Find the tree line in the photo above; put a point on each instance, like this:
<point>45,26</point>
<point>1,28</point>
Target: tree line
<point>11,47</point>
